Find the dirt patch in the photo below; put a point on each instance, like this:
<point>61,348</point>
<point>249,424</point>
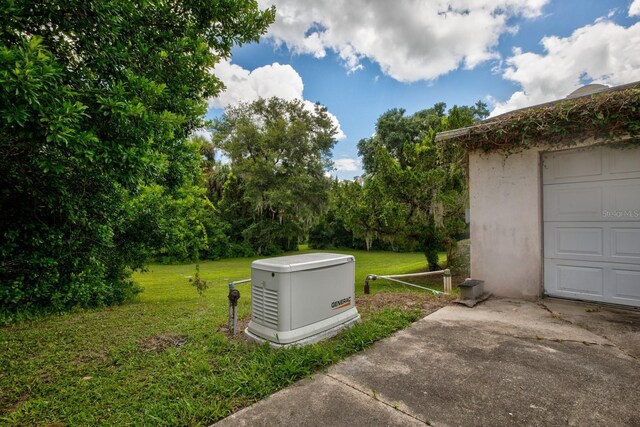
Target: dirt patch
<point>162,342</point>
<point>404,300</point>
<point>240,327</point>
<point>7,407</point>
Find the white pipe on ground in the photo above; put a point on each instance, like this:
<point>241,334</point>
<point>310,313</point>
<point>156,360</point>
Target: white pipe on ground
<point>425,273</point>
<point>446,280</point>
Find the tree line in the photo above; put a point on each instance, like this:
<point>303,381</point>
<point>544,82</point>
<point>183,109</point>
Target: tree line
<point>272,192</point>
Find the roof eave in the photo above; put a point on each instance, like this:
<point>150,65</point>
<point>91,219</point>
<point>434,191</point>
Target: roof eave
<point>466,131</point>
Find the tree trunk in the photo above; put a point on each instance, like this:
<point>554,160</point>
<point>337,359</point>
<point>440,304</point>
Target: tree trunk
<point>431,245</point>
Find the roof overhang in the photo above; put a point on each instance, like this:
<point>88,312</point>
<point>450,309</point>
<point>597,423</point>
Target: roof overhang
<point>495,127</point>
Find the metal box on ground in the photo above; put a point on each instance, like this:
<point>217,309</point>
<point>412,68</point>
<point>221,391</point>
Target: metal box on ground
<point>471,289</point>
<point>301,299</point>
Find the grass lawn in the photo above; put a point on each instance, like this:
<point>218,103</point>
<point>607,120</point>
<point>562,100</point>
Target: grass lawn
<point>165,359</point>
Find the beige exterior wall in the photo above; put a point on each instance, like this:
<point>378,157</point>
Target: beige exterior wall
<point>506,225</point>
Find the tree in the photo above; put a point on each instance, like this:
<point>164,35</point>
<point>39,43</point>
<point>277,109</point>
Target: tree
<point>279,151</point>
<point>361,216</point>
<point>368,213</point>
<point>331,230</point>
<point>428,180</point>
<point>97,101</point>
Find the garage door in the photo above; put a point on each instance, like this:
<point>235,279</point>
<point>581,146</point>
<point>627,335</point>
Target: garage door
<point>591,200</point>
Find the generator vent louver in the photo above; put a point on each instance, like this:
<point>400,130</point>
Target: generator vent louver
<point>264,305</point>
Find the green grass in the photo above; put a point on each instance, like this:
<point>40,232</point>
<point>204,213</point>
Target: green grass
<point>164,358</point>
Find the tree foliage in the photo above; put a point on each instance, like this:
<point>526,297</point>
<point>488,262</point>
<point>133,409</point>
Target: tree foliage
<point>279,152</point>
<point>331,231</point>
<point>418,188</point>
<point>97,101</point>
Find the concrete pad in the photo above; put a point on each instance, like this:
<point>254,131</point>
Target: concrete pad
<point>319,401</point>
<point>461,367</point>
<point>501,363</point>
<point>516,318</point>
<point>620,326</point>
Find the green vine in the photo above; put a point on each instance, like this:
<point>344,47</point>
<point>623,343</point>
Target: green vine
<point>609,117</point>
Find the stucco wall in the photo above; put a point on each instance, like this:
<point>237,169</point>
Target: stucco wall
<point>506,226</point>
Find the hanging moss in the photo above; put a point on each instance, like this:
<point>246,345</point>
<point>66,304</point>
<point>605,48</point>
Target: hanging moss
<point>610,117</point>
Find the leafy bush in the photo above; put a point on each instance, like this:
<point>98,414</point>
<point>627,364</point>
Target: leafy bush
<point>97,100</point>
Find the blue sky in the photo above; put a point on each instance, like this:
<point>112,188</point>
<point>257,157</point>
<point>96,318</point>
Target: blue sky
<point>361,58</point>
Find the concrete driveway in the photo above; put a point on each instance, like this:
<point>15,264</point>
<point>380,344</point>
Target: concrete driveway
<point>502,363</point>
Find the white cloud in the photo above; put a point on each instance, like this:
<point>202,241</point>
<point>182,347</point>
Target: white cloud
<point>410,40</point>
<point>206,134</point>
<point>603,52</point>
<point>346,164</point>
<point>634,9</point>
<point>264,82</point>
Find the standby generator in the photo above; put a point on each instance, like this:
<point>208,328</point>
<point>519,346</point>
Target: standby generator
<point>301,299</point>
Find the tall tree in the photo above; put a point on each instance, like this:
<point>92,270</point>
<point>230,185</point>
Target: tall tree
<point>280,150</point>
<point>428,180</point>
<point>97,99</point>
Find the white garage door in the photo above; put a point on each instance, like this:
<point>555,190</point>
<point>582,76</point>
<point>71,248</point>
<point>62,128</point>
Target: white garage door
<point>591,200</point>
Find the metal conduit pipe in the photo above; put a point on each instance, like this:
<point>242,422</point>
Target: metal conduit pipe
<point>366,282</point>
<point>234,296</point>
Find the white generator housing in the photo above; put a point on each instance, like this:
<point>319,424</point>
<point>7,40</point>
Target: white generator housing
<point>301,299</point>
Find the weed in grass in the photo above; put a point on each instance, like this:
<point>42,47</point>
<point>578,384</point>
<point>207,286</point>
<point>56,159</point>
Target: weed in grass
<point>198,282</point>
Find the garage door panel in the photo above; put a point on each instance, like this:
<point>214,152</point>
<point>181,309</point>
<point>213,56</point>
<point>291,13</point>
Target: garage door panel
<point>572,202</point>
<point>572,166</point>
<point>624,163</point>
<point>600,241</point>
<point>580,279</point>
<point>574,279</point>
<point>625,199</point>
<point>625,243</point>
<point>591,164</point>
<point>592,225</point>
<point>593,281</point>
<point>565,240</point>
<point>626,285</point>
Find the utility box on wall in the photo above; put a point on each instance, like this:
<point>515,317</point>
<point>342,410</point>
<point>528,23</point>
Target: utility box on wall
<point>301,299</point>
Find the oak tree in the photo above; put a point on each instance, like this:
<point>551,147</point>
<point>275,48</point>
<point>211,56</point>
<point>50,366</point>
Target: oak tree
<point>279,151</point>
